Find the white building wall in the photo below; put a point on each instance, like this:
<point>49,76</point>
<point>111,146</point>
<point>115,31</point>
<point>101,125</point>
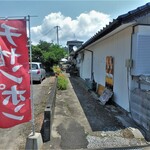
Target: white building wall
<point>118,46</point>
<point>79,64</point>
<point>86,65</point>
<point>141,30</point>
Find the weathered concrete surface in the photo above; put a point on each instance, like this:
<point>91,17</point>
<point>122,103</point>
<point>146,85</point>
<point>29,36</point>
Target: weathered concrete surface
<point>15,138</point>
<point>80,122</point>
<point>34,142</point>
<point>49,114</point>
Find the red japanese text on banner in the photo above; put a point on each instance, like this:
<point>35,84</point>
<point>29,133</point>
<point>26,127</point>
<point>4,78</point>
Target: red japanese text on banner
<point>15,103</point>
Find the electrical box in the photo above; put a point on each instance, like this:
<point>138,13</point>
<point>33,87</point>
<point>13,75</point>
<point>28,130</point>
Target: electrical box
<point>140,54</point>
<point>129,63</point>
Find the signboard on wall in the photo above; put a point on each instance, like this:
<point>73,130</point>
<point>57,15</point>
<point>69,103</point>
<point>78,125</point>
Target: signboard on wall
<point>109,72</point>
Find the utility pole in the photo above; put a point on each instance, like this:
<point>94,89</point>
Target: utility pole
<point>57,34</point>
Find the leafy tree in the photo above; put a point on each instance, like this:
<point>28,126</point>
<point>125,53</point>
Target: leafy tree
<point>58,52</point>
<point>44,46</point>
<point>47,53</point>
<point>37,54</point>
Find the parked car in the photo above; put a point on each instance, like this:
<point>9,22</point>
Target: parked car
<point>38,71</point>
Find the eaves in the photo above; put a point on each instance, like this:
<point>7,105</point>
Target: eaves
<point>122,19</point>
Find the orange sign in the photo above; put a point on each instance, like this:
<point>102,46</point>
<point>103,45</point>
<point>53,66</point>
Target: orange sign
<point>109,72</point>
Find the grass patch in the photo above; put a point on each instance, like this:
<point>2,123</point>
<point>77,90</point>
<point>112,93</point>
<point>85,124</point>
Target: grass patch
<point>62,82</point>
<point>57,70</point>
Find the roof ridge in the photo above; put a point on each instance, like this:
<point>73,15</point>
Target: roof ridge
<point>125,18</point>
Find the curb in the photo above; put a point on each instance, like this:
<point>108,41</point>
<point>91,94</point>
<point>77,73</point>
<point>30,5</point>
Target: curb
<point>49,114</point>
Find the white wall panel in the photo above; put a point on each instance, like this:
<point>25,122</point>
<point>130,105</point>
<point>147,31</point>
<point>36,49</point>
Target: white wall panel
<point>118,46</point>
<point>141,51</point>
<point>86,65</point>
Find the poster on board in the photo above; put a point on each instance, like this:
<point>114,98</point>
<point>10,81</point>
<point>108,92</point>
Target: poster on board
<point>109,72</point>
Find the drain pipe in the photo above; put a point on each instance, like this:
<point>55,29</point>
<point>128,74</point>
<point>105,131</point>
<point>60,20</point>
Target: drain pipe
<point>129,70</point>
<point>92,73</point>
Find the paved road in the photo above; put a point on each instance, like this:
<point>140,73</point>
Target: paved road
<point>80,122</point>
<point>14,138</point>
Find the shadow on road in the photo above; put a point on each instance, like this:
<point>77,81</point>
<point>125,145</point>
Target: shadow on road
<point>100,118</point>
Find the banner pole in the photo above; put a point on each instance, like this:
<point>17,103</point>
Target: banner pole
<point>32,100</point>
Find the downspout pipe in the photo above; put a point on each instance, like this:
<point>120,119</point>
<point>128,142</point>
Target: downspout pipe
<point>129,70</point>
<point>92,73</point>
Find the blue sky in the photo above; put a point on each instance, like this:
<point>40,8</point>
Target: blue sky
<point>78,19</point>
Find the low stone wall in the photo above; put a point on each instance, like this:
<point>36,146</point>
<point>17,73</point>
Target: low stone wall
<point>48,114</point>
<point>140,106</point>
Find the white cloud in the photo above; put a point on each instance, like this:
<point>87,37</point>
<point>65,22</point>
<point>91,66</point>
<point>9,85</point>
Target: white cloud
<point>81,28</point>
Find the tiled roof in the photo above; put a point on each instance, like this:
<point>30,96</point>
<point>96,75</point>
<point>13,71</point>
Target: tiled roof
<point>125,18</point>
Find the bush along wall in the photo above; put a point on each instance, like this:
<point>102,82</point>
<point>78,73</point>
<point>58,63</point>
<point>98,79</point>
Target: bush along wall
<point>62,81</point>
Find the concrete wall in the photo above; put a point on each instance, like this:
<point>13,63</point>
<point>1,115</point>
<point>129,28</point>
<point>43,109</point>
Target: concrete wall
<point>49,114</point>
<point>140,106</point>
<point>140,97</point>
<point>86,65</point>
<point>118,46</point>
<point>141,30</point>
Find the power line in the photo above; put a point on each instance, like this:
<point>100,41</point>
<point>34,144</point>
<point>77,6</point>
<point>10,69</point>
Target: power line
<point>57,34</point>
<point>48,32</point>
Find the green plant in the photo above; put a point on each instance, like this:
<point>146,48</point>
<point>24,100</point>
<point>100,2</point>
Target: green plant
<point>62,82</point>
<point>57,70</point>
